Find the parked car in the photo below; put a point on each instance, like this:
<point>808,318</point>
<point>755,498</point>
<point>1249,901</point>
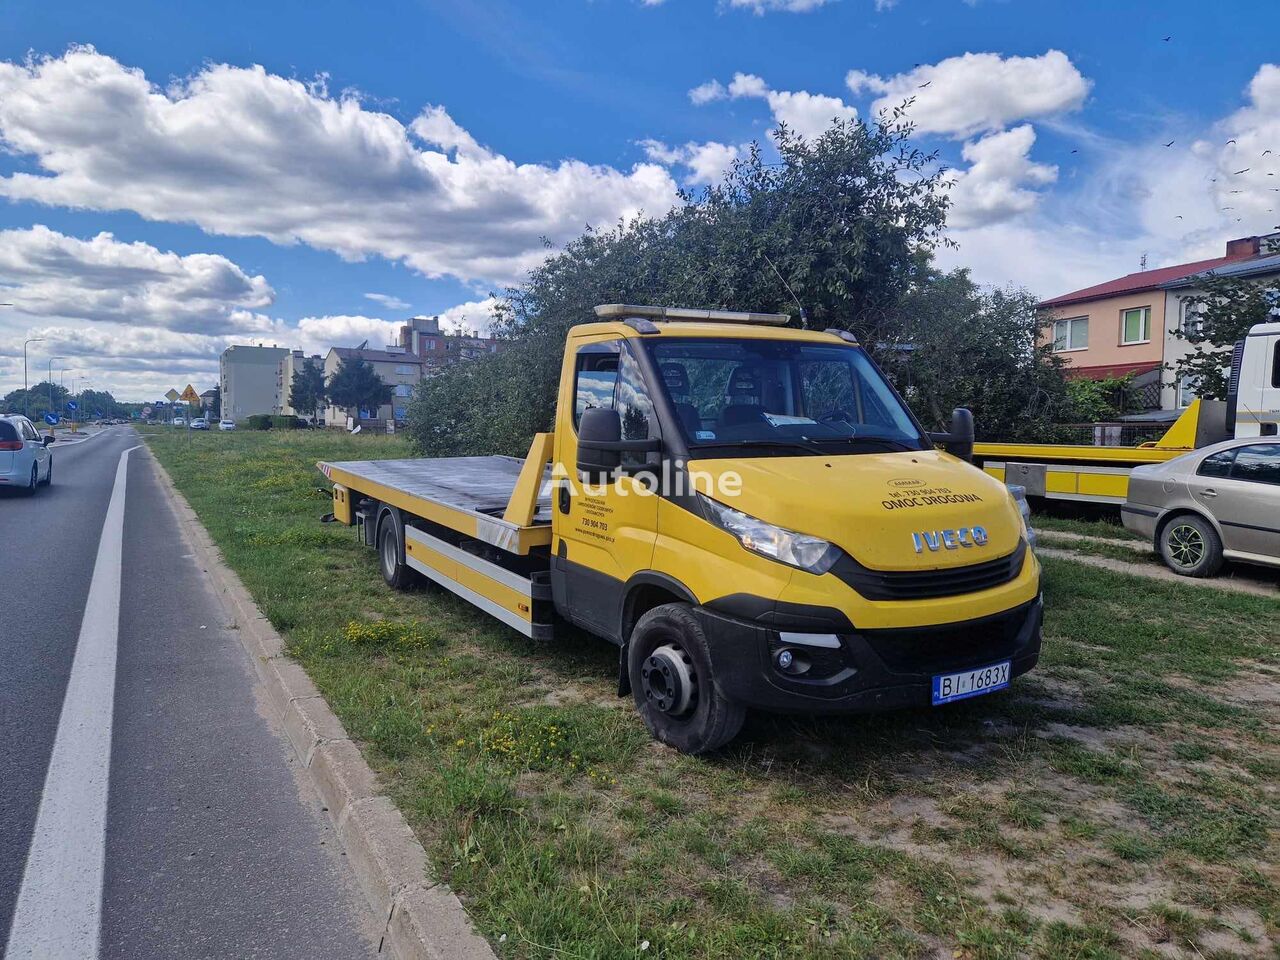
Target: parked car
<point>25,459</point>
<point>1219,503</point>
<point>179,422</point>
<point>226,424</point>
<point>199,423</point>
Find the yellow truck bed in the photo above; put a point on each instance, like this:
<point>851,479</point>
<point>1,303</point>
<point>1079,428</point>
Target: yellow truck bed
<point>501,501</point>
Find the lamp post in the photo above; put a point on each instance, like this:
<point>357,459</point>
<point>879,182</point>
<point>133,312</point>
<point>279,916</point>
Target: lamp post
<point>26,400</point>
<point>51,359</point>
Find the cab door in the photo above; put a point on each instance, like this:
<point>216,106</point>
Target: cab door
<point>603,532</point>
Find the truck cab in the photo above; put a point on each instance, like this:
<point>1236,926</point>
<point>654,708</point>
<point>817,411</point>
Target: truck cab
<point>749,511</point>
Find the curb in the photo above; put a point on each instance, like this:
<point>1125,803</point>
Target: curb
<point>422,920</point>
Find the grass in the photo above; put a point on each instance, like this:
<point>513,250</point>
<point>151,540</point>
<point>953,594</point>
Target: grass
<point>1118,801</point>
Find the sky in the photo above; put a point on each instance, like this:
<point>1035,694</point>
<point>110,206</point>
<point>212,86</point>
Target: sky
<point>177,177</point>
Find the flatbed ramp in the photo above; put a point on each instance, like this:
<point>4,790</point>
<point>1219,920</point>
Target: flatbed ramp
<point>500,501</point>
<point>503,502</point>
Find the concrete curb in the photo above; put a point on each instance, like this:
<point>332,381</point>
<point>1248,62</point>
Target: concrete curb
<point>422,920</point>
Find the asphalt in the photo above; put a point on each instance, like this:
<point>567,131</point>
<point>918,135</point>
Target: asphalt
<point>213,847</point>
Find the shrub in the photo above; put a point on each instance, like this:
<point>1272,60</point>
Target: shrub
<point>259,421</point>
<point>284,423</point>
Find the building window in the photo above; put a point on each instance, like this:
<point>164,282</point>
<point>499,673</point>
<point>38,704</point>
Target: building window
<point>1187,387</point>
<point>1192,321</point>
<point>404,370</point>
<point>1071,334</point>
<point>403,390</point>
<point>1135,325</point>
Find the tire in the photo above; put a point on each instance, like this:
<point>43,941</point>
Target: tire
<point>395,571</point>
<point>30,489</point>
<point>1190,546</point>
<point>669,664</point>
<point>48,477</point>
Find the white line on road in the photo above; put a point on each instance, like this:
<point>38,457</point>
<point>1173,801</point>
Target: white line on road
<point>59,906</point>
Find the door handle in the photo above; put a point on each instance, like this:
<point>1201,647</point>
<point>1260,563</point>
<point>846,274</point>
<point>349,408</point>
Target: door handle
<point>563,498</point>
<point>1209,493</point>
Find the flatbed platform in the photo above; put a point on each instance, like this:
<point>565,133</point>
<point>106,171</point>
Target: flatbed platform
<point>471,495</point>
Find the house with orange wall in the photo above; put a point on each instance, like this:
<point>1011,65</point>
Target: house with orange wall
<point>1120,327</point>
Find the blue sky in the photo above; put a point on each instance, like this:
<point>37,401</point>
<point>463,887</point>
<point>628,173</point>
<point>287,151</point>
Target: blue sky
<point>417,151</point>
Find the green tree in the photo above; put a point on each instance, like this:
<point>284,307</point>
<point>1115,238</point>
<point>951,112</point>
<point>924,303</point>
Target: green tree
<point>848,219</point>
<point>307,389</point>
<point>1225,311</point>
<point>957,345</point>
<point>356,386</point>
<point>35,402</point>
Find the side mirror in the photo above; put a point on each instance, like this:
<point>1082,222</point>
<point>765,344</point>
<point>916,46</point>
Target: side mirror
<point>49,438</point>
<point>958,441</point>
<point>600,443</point>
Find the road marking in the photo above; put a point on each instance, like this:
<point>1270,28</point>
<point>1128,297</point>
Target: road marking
<point>59,910</point>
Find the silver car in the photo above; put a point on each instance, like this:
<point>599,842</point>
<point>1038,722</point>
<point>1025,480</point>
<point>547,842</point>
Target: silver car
<point>1220,502</point>
<point>25,460</point>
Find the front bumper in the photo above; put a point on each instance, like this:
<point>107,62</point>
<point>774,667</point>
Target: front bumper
<point>862,670</point>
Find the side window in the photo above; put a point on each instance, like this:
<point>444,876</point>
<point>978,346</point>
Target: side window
<point>1275,366</point>
<point>595,377</point>
<point>1218,464</point>
<point>634,405</point>
<point>1259,463</point>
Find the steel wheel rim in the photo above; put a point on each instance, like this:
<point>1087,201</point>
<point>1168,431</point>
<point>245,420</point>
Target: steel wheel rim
<point>1186,545</point>
<point>388,553</point>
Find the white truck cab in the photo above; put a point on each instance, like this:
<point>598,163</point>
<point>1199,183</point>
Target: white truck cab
<point>1253,394</point>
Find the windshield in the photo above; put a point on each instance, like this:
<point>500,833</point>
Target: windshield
<point>783,395</point>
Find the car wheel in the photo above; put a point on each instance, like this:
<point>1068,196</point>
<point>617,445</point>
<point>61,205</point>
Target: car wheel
<point>669,664</point>
<point>35,480</point>
<point>1191,546</point>
<point>395,571</point>
<point>48,475</point>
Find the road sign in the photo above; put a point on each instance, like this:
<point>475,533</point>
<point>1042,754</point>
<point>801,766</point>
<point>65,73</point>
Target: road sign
<point>172,395</point>
<point>52,419</point>
<point>146,411</point>
<point>72,406</point>
<point>97,413</point>
<point>189,395</point>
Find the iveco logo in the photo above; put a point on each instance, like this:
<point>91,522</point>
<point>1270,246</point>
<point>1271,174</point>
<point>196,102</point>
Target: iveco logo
<point>906,482</point>
<point>949,539</point>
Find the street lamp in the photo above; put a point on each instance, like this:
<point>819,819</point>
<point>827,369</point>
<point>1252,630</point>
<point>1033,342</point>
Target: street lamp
<point>26,400</point>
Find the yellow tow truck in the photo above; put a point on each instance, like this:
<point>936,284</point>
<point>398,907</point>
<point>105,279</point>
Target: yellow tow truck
<point>1094,474</point>
<point>748,511</point>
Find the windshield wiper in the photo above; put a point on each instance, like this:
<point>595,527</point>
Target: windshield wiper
<point>799,443</point>
<point>887,441</point>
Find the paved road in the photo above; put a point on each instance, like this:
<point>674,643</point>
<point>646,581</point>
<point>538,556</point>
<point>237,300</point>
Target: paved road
<point>148,805</point>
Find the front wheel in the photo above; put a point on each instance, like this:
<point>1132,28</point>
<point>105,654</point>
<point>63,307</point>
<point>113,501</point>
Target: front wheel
<point>30,489</point>
<point>48,474</point>
<point>669,663</point>
<point>1191,546</point>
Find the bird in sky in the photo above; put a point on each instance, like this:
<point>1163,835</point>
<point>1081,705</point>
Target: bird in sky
<point>1166,39</point>
<point>1075,151</point>
<point>1238,172</point>
<point>1225,209</point>
<point>925,84</point>
<point>1229,143</point>
<point>1171,143</point>
<point>1178,217</point>
<point>1265,152</point>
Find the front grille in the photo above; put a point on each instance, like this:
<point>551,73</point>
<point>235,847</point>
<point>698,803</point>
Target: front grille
<point>952,646</point>
<point>922,584</point>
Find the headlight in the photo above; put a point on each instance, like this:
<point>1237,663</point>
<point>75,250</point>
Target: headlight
<point>812,554</point>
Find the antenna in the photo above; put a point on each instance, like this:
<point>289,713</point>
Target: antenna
<point>1142,261</point>
<point>804,317</point>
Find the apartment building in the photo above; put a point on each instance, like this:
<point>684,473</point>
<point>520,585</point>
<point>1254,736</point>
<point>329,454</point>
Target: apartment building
<point>1125,327</point>
<point>399,368</point>
<point>249,378</point>
<point>423,338</point>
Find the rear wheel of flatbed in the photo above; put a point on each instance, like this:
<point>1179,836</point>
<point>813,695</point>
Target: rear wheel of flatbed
<point>669,663</point>
<point>395,571</point>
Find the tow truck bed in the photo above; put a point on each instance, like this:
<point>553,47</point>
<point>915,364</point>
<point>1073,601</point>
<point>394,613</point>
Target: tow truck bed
<point>501,501</point>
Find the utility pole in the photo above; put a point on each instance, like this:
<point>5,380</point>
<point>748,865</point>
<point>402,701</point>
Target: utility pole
<point>26,400</point>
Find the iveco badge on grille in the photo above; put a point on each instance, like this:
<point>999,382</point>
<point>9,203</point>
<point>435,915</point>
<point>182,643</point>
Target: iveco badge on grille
<point>949,539</point>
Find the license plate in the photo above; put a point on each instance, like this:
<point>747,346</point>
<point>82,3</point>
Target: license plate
<point>972,683</point>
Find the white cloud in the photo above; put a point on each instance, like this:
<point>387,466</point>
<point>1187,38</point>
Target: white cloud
<point>996,184</point>
<point>473,316</point>
<point>807,114</point>
<point>707,92</point>
<point>761,7</point>
<point>387,300</point>
<point>48,274</point>
<point>318,334</point>
<point>978,92</point>
<point>706,162</point>
<point>242,152</point>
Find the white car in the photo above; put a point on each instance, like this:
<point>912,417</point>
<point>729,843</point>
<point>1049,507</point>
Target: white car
<point>179,422</point>
<point>199,423</point>
<point>226,424</point>
<point>25,460</point>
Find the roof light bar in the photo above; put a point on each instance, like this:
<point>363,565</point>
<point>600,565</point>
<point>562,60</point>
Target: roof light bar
<point>617,311</point>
